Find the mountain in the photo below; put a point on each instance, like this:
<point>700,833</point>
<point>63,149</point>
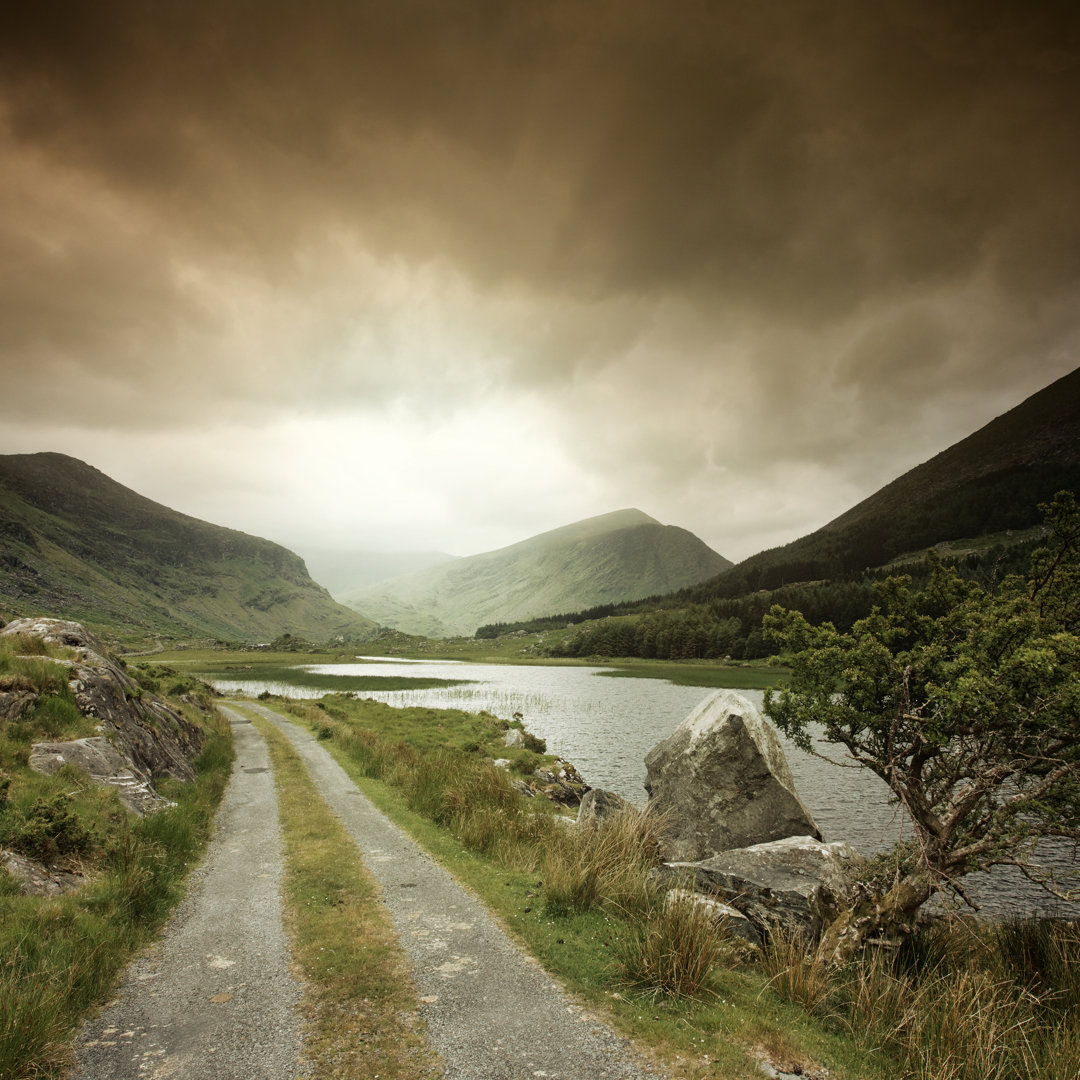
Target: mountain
<point>990,482</point>
<point>76,544</point>
<point>344,572</point>
<point>625,555</point>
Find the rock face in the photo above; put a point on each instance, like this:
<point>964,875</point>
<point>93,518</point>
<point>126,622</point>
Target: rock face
<point>737,923</point>
<point>104,764</point>
<point>795,884</point>
<point>722,778</point>
<point>142,738</point>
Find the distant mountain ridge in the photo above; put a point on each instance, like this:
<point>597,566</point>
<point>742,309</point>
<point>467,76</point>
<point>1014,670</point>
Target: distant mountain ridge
<point>624,555</point>
<point>76,544</point>
<point>989,482</point>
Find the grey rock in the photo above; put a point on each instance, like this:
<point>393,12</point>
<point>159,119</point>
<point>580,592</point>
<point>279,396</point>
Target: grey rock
<point>797,884</point>
<point>15,703</point>
<point>722,780</point>
<point>514,737</point>
<point>737,923</point>
<point>597,803</point>
<point>105,765</point>
<point>37,879</point>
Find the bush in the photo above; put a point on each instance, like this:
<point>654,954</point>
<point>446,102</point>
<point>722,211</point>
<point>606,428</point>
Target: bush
<point>51,829</point>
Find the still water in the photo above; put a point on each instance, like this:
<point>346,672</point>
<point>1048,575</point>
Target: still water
<point>605,726</point>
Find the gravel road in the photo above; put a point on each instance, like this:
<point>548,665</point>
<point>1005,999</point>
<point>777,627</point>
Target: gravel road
<point>214,1000</point>
<point>492,1013</point>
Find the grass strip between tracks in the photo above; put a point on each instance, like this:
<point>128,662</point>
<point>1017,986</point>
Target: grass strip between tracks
<point>359,1001</point>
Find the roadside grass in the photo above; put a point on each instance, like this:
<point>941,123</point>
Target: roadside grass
<point>967,1000</point>
<point>359,1001</point>
<point>596,920</point>
<point>60,956</point>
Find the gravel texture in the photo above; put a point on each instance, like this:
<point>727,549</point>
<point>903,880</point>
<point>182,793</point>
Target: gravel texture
<point>214,998</point>
<point>492,1013</point>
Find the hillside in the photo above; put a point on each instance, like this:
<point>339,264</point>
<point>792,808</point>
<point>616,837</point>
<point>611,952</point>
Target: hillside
<point>78,545</point>
<point>624,555</point>
<point>989,482</point>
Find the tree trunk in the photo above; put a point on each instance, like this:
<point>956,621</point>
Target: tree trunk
<point>891,914</point>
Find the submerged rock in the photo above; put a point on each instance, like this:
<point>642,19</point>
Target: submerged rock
<point>723,781</point>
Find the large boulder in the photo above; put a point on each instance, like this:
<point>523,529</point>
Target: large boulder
<point>723,782</point>
<point>797,884</point>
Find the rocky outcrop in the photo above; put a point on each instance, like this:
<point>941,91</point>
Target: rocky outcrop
<point>723,782</point>
<point>103,764</point>
<point>559,782</point>
<point>797,884</point>
<point>598,803</point>
<point>17,697</point>
<point>142,739</point>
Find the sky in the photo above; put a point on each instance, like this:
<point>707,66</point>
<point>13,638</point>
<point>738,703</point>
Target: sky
<point>426,275</point>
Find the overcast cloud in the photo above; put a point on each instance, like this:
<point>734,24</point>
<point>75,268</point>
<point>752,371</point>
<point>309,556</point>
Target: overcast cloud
<point>426,275</point>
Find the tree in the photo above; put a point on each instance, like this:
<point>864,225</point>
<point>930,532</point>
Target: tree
<point>965,700</point>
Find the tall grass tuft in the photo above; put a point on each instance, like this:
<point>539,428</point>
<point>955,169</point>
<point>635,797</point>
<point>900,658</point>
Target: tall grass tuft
<point>795,970</point>
<point>674,950</point>
<point>968,1001</point>
<point>607,862</point>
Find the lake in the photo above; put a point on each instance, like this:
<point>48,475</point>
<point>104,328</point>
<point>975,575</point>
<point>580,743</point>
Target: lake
<point>606,725</point>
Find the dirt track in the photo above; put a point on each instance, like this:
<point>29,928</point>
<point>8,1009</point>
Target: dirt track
<point>215,999</point>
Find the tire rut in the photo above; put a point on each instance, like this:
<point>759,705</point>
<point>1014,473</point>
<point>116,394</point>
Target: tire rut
<point>214,998</point>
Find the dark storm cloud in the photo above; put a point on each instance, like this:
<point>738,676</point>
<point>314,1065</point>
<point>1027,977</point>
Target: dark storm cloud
<point>797,155</point>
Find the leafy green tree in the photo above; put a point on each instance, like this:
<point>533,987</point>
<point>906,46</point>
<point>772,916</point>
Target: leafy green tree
<point>965,700</point>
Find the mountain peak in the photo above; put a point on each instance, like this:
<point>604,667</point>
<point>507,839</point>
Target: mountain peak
<point>623,555</point>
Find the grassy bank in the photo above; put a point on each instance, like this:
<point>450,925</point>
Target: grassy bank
<point>581,900</point>
<point>61,955</point>
<point>360,1006</point>
<point>962,1001</point>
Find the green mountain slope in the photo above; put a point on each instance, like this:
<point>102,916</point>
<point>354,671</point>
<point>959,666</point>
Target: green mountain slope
<point>76,544</point>
<point>624,555</point>
<point>989,482</point>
